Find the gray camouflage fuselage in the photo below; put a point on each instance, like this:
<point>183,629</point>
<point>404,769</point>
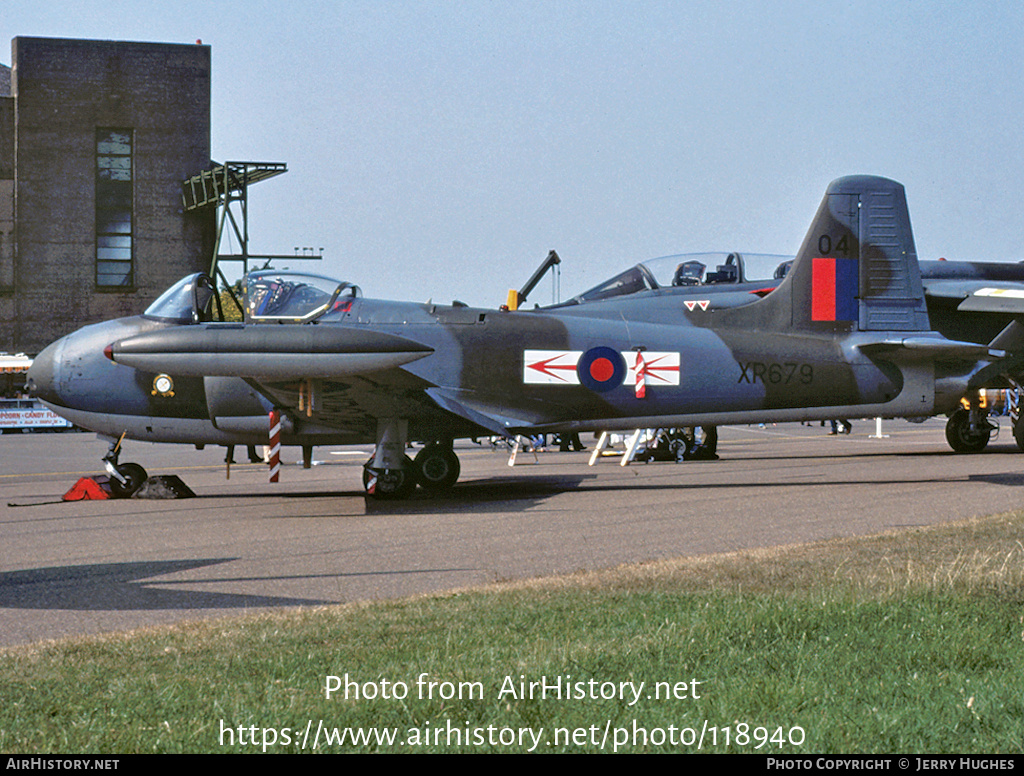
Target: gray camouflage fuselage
<point>846,333</point>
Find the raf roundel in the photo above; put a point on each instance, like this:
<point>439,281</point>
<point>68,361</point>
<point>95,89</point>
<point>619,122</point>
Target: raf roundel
<point>601,369</point>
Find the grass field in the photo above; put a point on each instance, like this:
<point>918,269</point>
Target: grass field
<point>902,643</point>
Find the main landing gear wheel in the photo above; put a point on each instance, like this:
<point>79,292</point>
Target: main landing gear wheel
<point>389,483</point>
<point>960,435</point>
<point>134,477</point>
<point>1018,434</point>
<point>437,467</point>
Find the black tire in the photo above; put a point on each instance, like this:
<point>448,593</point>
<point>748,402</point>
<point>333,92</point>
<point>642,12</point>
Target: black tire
<point>960,436</point>
<point>134,476</point>
<point>437,467</point>
<point>390,484</point>
<point>1018,433</point>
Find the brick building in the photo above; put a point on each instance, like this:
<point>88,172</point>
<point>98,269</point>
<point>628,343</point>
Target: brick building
<point>96,138</point>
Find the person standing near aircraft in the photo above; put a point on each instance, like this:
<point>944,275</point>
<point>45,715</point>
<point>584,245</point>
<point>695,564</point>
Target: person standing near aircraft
<point>570,440</point>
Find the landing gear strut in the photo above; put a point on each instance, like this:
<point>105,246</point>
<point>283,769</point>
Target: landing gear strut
<point>125,478</point>
<point>391,474</point>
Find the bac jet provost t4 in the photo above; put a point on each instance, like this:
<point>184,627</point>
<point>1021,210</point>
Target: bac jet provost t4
<point>845,333</point>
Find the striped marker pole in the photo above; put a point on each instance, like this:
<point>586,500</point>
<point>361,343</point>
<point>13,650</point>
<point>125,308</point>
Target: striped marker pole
<point>641,375</point>
<point>274,457</point>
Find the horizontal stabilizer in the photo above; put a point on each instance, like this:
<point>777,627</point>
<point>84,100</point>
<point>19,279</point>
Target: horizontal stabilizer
<point>265,352</point>
<point>930,348</point>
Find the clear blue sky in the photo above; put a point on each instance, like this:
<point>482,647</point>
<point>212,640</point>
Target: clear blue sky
<point>440,149</point>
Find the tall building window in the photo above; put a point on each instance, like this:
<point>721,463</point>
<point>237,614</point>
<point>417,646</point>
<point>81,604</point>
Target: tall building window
<point>114,208</point>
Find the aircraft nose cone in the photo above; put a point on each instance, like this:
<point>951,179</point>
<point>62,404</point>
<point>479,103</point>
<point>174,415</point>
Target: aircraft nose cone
<point>43,380</point>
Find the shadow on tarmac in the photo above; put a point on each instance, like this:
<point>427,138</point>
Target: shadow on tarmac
<point>124,587</point>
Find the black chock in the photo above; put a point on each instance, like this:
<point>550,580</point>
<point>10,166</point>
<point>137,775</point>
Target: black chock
<point>164,486</point>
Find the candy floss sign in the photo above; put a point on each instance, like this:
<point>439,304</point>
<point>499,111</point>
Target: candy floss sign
<point>31,418</point>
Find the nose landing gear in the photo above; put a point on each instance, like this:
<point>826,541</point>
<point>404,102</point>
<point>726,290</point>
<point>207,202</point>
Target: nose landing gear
<point>125,478</point>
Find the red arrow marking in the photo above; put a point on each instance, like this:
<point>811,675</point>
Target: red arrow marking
<point>545,367</point>
<point>650,368</point>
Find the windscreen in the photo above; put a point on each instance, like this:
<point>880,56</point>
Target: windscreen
<point>187,301</point>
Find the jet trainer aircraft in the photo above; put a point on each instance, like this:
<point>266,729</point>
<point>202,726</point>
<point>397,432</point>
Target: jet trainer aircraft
<point>845,333</point>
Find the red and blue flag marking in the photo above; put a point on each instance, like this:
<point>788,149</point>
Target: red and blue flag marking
<point>835,284</point>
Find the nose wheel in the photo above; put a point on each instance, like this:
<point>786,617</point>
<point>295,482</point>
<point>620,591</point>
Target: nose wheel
<point>125,478</point>
<point>132,477</point>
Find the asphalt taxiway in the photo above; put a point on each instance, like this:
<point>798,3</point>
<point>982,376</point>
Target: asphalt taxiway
<point>244,545</point>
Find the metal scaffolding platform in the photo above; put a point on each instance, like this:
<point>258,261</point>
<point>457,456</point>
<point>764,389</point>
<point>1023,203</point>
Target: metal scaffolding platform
<point>226,186</point>
<point>226,182</point>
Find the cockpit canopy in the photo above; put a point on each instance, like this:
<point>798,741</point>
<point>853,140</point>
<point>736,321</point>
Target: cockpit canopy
<point>293,297</point>
<point>270,296</point>
<point>683,270</point>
